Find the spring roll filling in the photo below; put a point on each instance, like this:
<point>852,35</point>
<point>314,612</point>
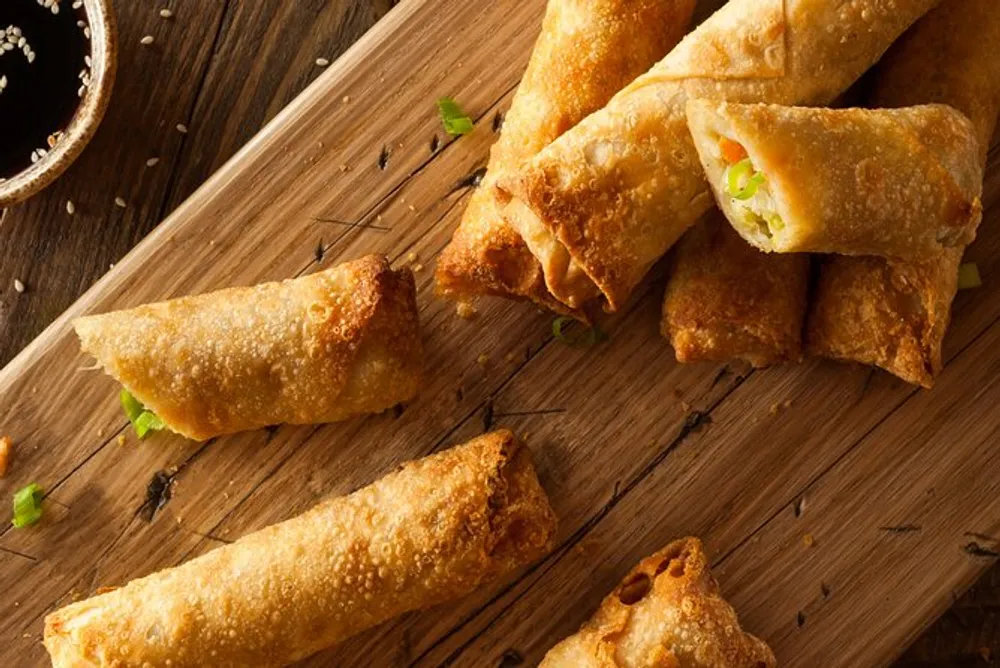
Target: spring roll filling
<point>748,190</point>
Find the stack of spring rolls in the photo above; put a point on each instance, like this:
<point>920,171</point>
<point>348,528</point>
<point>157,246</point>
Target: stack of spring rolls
<point>890,195</point>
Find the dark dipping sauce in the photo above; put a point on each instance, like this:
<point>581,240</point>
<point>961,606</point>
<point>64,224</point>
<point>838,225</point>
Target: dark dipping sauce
<point>40,97</point>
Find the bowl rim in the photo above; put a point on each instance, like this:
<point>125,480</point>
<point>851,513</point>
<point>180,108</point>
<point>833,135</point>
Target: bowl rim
<point>100,18</point>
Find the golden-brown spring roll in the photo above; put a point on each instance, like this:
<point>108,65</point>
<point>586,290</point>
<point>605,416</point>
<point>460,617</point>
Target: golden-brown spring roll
<point>742,308</point>
<point>895,314</point>
<point>432,531</point>
<point>320,348</point>
<point>667,612</point>
<point>902,183</point>
<point>587,51</point>
<point>603,202</point>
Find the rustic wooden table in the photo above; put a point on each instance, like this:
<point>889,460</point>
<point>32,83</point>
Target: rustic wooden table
<point>215,73</point>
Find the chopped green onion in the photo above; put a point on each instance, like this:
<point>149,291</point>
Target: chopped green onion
<point>455,121</point>
<point>968,276</point>
<point>143,420</point>
<point>775,223</point>
<point>739,171</point>
<point>27,506</point>
<point>590,337</point>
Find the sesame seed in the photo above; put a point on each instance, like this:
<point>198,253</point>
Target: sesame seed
<point>120,202</point>
<point>347,98</point>
<point>18,285</point>
<point>166,13</point>
<point>152,162</point>
<point>77,4</point>
<point>483,359</point>
<point>86,32</point>
<point>322,62</point>
<point>183,129</point>
<point>70,207</point>
<point>147,40</point>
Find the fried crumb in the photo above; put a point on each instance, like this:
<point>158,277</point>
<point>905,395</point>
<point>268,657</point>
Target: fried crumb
<point>775,407</point>
<point>466,311</point>
<point>6,444</point>
<point>121,439</point>
<point>808,540</point>
<point>417,268</point>
<point>787,404</point>
<point>345,168</point>
<point>411,257</point>
<point>483,359</point>
<point>510,357</point>
<point>685,406</point>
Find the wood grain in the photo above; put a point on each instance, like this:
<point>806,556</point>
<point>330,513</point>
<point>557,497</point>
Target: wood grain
<point>634,449</point>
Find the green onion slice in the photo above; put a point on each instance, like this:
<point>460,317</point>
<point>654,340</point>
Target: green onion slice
<point>27,506</point>
<point>455,121</point>
<point>968,276</point>
<point>143,420</point>
<point>589,337</point>
<point>739,171</point>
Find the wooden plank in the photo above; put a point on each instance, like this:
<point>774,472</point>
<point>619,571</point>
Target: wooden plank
<point>634,449</point>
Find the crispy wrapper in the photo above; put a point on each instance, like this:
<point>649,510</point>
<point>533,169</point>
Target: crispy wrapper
<point>895,314</point>
<point>320,348</point>
<point>587,51</point>
<point>744,308</point>
<point>603,202</point>
<point>667,612</point>
<point>432,531</point>
<point>902,183</point>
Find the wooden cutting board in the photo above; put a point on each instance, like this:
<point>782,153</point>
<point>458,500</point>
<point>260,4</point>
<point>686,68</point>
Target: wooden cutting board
<point>843,509</point>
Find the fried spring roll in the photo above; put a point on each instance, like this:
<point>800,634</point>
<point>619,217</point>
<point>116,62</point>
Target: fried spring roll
<point>890,313</point>
<point>903,183</point>
<point>588,50</point>
<point>603,202</point>
<point>667,612</point>
<point>432,531</point>
<point>320,348</point>
<point>742,308</point>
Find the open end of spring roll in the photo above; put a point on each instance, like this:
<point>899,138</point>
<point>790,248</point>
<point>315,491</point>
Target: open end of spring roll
<point>902,183</point>
<point>666,612</point>
<point>895,314</point>
<point>727,300</point>
<point>619,189</point>
<point>587,51</point>
<point>430,532</point>
<point>320,348</point>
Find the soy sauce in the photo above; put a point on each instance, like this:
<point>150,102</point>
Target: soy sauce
<point>41,96</point>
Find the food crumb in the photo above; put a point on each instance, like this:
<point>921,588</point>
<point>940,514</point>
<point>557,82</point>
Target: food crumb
<point>685,406</point>
<point>5,448</point>
<point>775,407</point>
<point>412,208</point>
<point>121,439</point>
<point>346,99</point>
<point>345,168</point>
<point>808,540</point>
<point>417,268</point>
<point>483,359</point>
<point>18,286</point>
<point>787,404</point>
<point>412,257</point>
<point>509,358</point>
<point>466,311</point>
